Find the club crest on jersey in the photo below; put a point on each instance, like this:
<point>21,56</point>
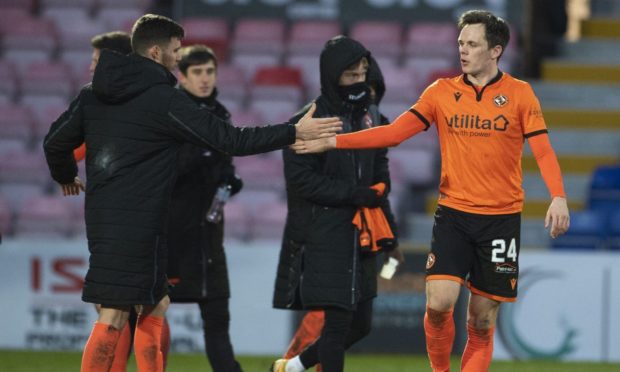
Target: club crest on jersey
<point>500,100</point>
<point>457,96</point>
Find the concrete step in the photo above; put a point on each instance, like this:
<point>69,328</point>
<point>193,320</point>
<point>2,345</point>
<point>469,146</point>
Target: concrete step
<point>557,70</point>
<point>601,28</point>
<point>590,50</point>
<point>573,96</point>
<point>583,119</point>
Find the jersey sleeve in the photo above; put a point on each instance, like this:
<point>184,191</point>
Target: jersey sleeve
<point>411,122</point>
<point>531,114</point>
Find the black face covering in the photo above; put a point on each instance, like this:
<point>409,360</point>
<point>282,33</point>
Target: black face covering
<point>357,94</point>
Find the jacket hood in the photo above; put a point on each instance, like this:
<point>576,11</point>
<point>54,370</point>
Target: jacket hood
<point>375,79</point>
<point>339,53</point>
<point>119,78</point>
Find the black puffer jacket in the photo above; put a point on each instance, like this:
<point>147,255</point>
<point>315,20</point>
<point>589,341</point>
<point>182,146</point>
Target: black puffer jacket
<point>197,262</point>
<point>320,261</point>
<point>133,121</point>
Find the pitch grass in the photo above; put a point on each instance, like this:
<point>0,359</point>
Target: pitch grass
<point>18,361</point>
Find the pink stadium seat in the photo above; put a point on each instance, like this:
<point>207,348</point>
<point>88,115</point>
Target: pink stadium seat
<point>424,67</point>
<point>86,4</point>
<point>432,39</point>
<point>275,111</point>
<point>9,17</point>
<point>259,36</point>
<point>270,220</point>
<point>212,32</point>
<point>8,82</point>
<point>310,70</point>
<point>44,216</point>
<point>43,78</point>
<point>14,193</point>
<point>119,18</point>
<point>309,37</point>
<point>261,172</point>
<point>382,38</point>
<point>6,217</point>
<point>78,62</point>
<point>418,165</point>
<point>281,83</point>
<point>26,5</point>
<point>45,110</point>
<point>75,28</point>
<point>231,82</point>
<point>28,34</point>
<point>25,167</point>
<point>400,85</point>
<point>237,220</point>
<point>16,122</point>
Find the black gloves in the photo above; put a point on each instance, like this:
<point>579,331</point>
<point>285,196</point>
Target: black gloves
<point>366,197</point>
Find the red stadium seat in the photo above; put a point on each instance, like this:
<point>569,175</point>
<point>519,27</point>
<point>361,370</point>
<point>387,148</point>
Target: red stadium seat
<point>277,83</point>
<point>250,63</point>
<point>212,32</point>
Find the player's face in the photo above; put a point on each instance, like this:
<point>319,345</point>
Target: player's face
<point>200,80</point>
<point>354,75</point>
<point>169,55</point>
<point>94,59</point>
<point>476,56</point>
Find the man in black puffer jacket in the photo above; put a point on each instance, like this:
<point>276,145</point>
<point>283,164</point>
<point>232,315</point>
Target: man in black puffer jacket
<point>197,262</point>
<point>133,121</point>
<point>322,265</point>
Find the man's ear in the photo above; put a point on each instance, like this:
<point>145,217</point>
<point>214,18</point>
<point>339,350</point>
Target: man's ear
<point>154,53</point>
<point>496,51</point>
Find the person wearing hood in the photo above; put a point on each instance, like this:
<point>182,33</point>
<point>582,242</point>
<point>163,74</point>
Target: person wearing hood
<point>196,259</point>
<point>322,265</point>
<point>134,121</point>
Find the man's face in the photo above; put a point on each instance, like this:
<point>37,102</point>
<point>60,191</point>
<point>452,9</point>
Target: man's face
<point>354,75</point>
<point>94,59</point>
<point>169,54</point>
<point>200,80</point>
<point>476,56</point>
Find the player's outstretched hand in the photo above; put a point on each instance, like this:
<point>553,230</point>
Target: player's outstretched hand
<point>73,188</point>
<point>557,219</point>
<point>313,146</point>
<point>309,128</point>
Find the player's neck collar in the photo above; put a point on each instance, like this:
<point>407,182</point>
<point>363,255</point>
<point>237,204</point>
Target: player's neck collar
<point>492,81</point>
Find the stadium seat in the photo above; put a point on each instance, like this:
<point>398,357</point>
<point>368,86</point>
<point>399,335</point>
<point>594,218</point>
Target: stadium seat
<point>424,67</point>
<point>231,83</point>
<point>45,78</point>
<point>613,241</point>
<point>587,231</point>
<point>237,220</point>
<point>9,17</point>
<point>6,217</point>
<point>400,85</point>
<point>432,39</point>
<point>16,122</point>
<point>29,40</point>
<point>44,216</point>
<point>309,37</point>
<point>26,5</point>
<point>8,81</point>
<point>604,193</point>
<point>418,166</point>
<point>120,19</point>
<point>382,38</point>
<point>259,36</point>
<point>275,111</point>
<point>24,167</point>
<point>269,221</point>
<point>261,172</point>
<point>78,62</point>
<point>212,32</point>
<point>45,110</point>
<point>282,83</point>
<point>250,63</point>
<point>120,4</point>
<point>14,193</point>
<point>310,71</point>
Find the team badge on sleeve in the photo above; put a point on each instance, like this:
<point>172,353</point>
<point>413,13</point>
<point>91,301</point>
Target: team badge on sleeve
<point>430,261</point>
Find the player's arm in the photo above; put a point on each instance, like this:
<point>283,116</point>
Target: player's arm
<point>557,218</point>
<point>405,126</point>
<point>64,136</point>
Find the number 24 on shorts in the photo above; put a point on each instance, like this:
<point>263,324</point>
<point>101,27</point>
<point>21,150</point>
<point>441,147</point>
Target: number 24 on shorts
<point>499,250</point>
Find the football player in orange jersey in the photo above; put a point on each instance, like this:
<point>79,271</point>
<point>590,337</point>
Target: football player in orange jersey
<point>482,117</point>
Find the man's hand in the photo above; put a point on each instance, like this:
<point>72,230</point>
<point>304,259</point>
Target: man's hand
<point>73,188</point>
<point>557,219</point>
<point>397,254</point>
<point>313,146</point>
<point>309,128</point>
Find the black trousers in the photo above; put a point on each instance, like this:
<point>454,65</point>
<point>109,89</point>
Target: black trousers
<point>216,323</point>
<point>342,329</point>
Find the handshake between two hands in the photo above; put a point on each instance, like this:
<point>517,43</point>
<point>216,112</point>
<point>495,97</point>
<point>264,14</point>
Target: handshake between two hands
<point>316,134</point>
